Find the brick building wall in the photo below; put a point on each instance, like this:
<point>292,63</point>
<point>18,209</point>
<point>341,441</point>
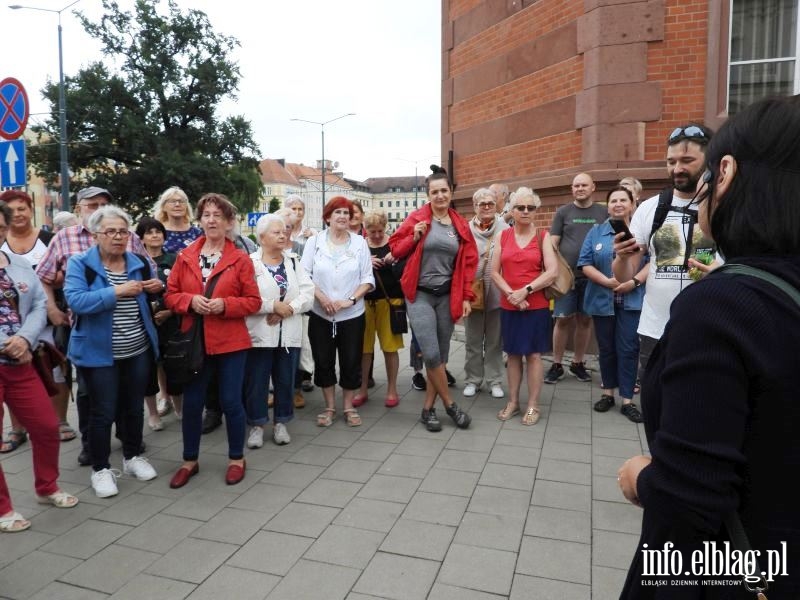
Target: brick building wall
<point>534,91</point>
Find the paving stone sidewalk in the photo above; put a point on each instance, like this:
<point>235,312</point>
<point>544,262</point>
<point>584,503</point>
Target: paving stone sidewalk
<point>385,510</point>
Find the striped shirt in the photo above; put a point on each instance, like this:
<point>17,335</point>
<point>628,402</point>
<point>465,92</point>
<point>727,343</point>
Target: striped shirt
<point>128,335</point>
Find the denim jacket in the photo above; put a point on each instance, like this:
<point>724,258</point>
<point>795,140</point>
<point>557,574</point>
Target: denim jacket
<point>598,251</point>
<point>93,305</point>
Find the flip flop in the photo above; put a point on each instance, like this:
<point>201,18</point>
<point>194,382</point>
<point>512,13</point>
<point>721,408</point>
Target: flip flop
<point>7,523</point>
<point>14,440</point>
<point>66,432</point>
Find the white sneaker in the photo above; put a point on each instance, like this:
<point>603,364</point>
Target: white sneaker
<point>256,437</point>
<point>470,390</point>
<point>139,467</point>
<point>497,391</point>
<point>280,435</point>
<point>104,483</point>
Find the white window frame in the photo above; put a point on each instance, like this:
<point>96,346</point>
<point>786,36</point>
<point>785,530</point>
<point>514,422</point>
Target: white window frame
<point>795,58</point>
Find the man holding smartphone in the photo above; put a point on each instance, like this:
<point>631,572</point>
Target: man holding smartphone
<point>669,233</point>
<point>570,225</point>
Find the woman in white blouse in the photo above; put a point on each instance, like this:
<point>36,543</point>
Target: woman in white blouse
<point>339,264</point>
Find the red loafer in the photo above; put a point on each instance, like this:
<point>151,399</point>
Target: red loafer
<point>359,400</point>
<point>182,476</point>
<point>235,473</point>
<point>391,401</point>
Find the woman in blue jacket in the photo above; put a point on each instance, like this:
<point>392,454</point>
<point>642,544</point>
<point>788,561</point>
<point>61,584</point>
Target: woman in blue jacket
<point>113,343</point>
<point>615,308</point>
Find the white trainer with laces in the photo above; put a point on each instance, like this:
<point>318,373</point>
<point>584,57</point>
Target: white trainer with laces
<point>497,391</point>
<point>104,483</point>
<point>470,390</point>
<point>280,435</point>
<point>256,437</point>
<point>139,467</point>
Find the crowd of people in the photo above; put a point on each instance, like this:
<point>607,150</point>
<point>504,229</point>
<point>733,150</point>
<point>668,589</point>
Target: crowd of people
<point>718,397</point>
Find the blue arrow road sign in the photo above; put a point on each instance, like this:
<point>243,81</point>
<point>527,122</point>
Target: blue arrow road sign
<point>12,164</point>
<point>252,218</point>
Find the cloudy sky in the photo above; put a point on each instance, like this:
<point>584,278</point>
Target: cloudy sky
<point>313,60</point>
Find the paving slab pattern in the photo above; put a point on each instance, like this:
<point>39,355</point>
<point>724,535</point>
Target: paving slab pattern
<point>385,510</point>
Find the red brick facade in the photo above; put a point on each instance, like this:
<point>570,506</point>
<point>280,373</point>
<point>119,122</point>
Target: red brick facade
<point>535,91</point>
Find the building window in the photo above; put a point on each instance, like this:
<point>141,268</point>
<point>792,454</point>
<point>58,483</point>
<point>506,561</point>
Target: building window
<point>381,203</point>
<point>268,191</point>
<point>763,51</point>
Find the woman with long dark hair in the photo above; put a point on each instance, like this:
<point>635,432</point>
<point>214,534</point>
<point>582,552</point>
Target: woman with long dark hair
<point>719,394</point>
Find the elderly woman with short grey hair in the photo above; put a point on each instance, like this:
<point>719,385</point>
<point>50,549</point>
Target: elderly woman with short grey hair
<point>483,365</point>
<point>276,331</point>
<point>113,343</point>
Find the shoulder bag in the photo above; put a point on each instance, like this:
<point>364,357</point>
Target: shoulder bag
<point>565,279</point>
<point>46,357</point>
<point>398,319</point>
<point>185,351</point>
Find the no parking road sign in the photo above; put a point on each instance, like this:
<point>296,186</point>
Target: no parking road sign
<point>14,108</point>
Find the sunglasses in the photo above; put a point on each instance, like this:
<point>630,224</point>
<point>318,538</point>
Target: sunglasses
<point>524,207</point>
<point>693,132</point>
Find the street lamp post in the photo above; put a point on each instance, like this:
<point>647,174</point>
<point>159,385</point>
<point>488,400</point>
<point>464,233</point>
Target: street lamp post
<point>322,127</point>
<point>62,104</point>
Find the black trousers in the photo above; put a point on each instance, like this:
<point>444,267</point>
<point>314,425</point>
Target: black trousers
<point>347,343</point>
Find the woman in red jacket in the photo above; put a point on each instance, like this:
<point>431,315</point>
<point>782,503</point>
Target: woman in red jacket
<point>437,283</point>
<point>213,258</point>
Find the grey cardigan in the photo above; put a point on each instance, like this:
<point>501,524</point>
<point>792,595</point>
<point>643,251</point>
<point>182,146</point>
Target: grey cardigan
<point>32,300</point>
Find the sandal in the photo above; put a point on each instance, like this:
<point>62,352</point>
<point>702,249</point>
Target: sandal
<point>351,417</point>
<point>66,432</point>
<point>154,423</point>
<point>326,417</point>
<point>163,406</point>
<point>60,499</point>
<point>15,439</point>
<point>531,416</point>
<point>511,410</point>
<point>7,523</point>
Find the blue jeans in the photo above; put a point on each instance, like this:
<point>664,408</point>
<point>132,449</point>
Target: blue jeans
<point>618,345</point>
<point>229,371</point>
<point>261,363</point>
<point>116,393</point>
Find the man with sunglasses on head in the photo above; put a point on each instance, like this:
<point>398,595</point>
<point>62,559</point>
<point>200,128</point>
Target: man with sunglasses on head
<point>665,226</point>
<point>51,269</point>
<point>570,225</point>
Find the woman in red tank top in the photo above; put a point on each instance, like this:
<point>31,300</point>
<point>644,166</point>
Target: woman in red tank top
<point>524,266</point>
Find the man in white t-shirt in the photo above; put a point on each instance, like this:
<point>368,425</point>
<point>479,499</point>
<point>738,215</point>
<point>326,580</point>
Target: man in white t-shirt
<point>674,242</point>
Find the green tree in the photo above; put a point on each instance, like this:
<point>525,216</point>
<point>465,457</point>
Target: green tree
<point>151,122</point>
<point>274,204</point>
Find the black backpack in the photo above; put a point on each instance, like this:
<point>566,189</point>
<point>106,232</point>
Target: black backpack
<point>664,204</point>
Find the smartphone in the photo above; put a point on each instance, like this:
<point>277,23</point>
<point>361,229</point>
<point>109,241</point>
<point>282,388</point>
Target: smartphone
<point>619,226</point>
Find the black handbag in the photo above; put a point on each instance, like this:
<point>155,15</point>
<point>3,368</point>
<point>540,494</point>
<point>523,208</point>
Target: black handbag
<point>185,351</point>
<point>398,320</point>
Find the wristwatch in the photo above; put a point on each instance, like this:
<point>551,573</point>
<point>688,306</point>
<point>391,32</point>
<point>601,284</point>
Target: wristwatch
<point>529,288</point>
<point>636,283</point>
<point>353,299</point>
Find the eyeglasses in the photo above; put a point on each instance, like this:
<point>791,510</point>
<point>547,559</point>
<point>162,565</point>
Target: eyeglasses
<point>524,207</point>
<point>693,132</point>
<point>112,233</point>
<point>176,201</point>
<point>486,204</point>
<point>93,205</point>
